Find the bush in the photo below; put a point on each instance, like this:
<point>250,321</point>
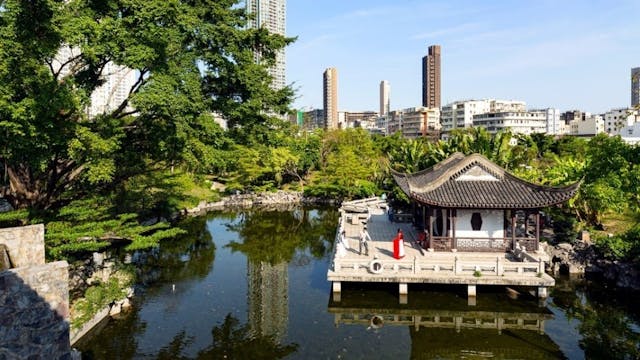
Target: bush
<point>625,246</point>
<point>564,227</point>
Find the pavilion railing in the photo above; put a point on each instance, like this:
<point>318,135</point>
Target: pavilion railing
<point>444,243</point>
<point>529,266</point>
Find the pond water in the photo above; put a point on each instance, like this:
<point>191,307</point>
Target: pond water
<point>252,285</point>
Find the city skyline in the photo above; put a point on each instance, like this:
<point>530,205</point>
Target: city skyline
<point>490,49</point>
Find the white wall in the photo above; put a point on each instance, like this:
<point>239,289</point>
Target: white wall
<point>492,224</point>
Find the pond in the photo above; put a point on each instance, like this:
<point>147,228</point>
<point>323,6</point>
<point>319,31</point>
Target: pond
<point>252,285</point>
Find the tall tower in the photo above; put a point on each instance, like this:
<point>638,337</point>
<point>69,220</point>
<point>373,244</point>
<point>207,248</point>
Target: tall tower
<point>635,87</point>
<point>271,14</point>
<point>330,98</point>
<point>384,97</point>
<point>431,78</point>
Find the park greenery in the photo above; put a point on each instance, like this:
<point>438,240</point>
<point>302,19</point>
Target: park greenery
<point>98,180</point>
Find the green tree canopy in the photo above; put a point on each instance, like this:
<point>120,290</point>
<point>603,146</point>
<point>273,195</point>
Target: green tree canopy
<point>192,59</point>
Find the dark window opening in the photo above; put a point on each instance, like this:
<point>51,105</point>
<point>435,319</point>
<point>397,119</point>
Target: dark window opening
<point>476,221</point>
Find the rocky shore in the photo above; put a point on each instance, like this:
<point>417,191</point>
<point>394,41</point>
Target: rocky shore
<point>582,258</point>
<point>260,201</point>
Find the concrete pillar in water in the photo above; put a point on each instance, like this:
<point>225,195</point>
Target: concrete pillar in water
<point>337,287</point>
<point>471,290</point>
<point>542,292</point>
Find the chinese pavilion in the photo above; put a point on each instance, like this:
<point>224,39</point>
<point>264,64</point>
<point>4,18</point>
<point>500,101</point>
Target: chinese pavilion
<point>468,203</point>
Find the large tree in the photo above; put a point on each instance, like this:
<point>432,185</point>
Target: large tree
<point>192,59</point>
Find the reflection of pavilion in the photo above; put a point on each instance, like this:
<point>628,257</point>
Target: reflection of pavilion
<point>268,296</point>
<point>442,325</point>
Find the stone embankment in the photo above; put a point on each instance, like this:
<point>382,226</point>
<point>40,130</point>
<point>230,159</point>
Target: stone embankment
<point>260,200</point>
<point>99,268</point>
<point>582,258</point>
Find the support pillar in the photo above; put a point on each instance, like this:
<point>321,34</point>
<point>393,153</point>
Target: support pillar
<point>513,229</point>
<point>536,245</point>
<point>430,229</point>
<point>471,290</point>
<point>337,286</point>
<point>454,241</point>
<point>542,292</point>
<point>403,289</point>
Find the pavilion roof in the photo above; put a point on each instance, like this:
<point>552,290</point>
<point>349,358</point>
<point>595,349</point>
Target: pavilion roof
<point>474,182</point>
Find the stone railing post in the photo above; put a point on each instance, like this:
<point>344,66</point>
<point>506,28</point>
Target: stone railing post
<point>455,266</point>
<point>499,267</point>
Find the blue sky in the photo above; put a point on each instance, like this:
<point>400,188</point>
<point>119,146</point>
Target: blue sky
<point>562,53</point>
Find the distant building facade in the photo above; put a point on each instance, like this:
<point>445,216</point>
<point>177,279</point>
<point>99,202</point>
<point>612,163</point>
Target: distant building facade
<point>385,103</point>
<point>330,98</point>
<point>459,114</point>
<point>271,15</point>
<point>353,119</point>
<point>518,122</point>
<point>631,134</point>
<point>635,87</point>
<point>431,78</point>
<point>415,122</point>
<point>616,119</point>
<point>586,125</point>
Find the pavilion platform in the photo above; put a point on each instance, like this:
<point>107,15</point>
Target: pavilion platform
<point>514,268</point>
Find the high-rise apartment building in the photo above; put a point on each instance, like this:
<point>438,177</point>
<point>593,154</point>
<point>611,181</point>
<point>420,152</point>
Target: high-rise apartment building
<point>384,97</point>
<point>271,14</point>
<point>431,78</point>
<point>330,98</point>
<point>635,87</point>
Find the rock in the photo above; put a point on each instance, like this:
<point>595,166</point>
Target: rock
<point>5,262</point>
<point>98,258</point>
<point>126,304</point>
<point>115,309</point>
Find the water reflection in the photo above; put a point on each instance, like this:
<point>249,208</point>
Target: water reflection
<point>608,319</point>
<point>442,325</point>
<point>252,284</point>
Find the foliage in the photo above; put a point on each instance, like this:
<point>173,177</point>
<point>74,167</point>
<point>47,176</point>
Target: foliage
<point>98,296</point>
<point>93,224</point>
<point>190,60</point>
<point>625,246</point>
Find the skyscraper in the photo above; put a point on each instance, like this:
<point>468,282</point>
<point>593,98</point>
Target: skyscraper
<point>330,98</point>
<point>384,97</point>
<point>431,78</point>
<point>271,14</point>
<point>635,87</point>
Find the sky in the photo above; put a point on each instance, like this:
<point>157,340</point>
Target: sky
<point>564,54</point>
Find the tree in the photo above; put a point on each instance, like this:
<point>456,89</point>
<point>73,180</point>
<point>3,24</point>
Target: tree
<point>191,59</point>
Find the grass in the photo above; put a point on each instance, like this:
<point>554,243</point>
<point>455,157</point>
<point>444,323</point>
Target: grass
<point>618,222</point>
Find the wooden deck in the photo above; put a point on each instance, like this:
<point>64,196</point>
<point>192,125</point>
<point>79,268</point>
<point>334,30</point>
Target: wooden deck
<point>422,266</point>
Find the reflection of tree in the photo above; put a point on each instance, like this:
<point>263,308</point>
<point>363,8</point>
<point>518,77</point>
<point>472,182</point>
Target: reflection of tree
<point>606,328</point>
<point>189,256</point>
<point>114,342</point>
<point>274,237</point>
<point>232,341</point>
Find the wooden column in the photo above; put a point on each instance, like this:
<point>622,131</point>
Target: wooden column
<point>513,229</point>
<point>454,241</point>
<point>537,230</point>
<point>424,217</point>
<point>429,228</point>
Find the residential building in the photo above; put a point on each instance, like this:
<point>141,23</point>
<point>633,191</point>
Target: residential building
<point>635,87</point>
<point>554,125</point>
<point>459,114</point>
<point>631,134</point>
<point>518,122</point>
<point>587,125</point>
<point>415,122</point>
<point>385,104</point>
<point>616,119</point>
<point>118,82</point>
<point>352,119</point>
<point>431,78</point>
<point>114,91</point>
<point>271,15</point>
<point>330,98</point>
